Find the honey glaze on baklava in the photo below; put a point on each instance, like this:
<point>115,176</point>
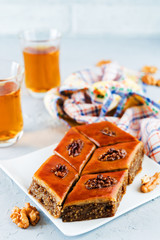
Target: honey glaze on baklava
<point>51,183</point>
<point>88,173</point>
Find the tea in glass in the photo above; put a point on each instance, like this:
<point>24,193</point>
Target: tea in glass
<point>11,120</point>
<point>41,60</point>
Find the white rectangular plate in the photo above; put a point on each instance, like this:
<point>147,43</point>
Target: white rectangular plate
<point>21,170</point>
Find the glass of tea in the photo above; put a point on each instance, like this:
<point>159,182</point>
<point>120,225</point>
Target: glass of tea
<point>11,120</point>
<point>41,60</point>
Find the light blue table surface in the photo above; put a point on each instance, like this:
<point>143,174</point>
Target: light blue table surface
<point>40,131</point>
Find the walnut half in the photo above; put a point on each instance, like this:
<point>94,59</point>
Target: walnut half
<point>22,217</point>
<point>103,62</point>
<point>158,83</point>
<point>149,69</point>
<point>148,79</point>
<point>19,217</point>
<point>32,214</point>
<point>150,183</point>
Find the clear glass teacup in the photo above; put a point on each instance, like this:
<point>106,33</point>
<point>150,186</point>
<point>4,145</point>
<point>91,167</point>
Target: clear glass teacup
<point>11,120</point>
<point>41,50</point>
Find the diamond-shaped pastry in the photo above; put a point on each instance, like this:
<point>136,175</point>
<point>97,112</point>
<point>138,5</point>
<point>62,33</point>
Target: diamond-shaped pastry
<point>117,157</point>
<point>51,183</point>
<point>105,133</point>
<point>75,149</point>
<point>95,196</point>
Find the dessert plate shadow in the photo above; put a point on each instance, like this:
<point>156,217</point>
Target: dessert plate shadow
<point>21,170</point>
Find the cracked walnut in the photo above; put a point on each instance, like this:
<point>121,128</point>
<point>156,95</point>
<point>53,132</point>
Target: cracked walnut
<point>25,216</point>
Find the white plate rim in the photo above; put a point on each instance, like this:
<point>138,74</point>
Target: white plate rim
<point>102,221</point>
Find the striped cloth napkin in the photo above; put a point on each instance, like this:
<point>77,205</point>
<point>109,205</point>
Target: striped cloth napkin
<point>109,93</point>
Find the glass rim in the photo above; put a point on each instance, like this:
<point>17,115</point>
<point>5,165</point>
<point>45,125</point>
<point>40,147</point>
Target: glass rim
<point>19,66</point>
<point>22,37</point>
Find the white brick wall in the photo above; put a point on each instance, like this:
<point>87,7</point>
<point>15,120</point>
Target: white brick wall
<point>82,17</point>
<point>17,16</point>
<point>111,19</point>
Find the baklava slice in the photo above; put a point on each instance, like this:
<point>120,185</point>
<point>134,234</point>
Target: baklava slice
<point>95,196</point>
<point>52,182</point>
<point>105,133</point>
<point>75,148</point>
<point>117,157</point>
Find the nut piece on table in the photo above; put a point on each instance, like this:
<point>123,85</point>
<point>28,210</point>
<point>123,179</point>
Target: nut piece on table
<point>158,83</point>
<point>150,183</point>
<point>19,217</point>
<point>149,69</point>
<point>148,79</point>
<point>22,217</point>
<point>32,214</point>
<point>103,62</point>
